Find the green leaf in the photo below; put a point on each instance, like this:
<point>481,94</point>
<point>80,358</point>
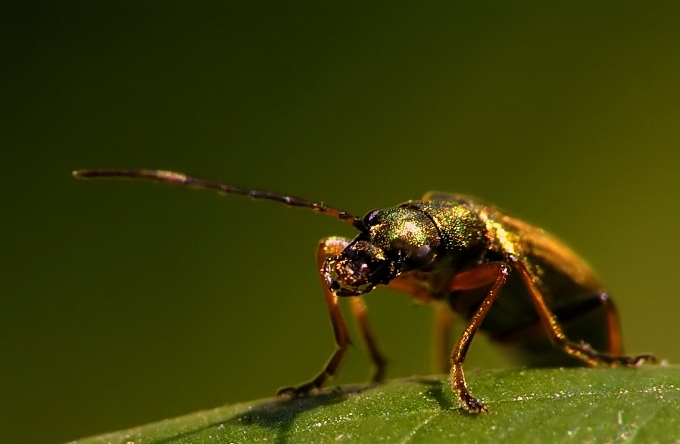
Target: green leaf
<point>536,405</point>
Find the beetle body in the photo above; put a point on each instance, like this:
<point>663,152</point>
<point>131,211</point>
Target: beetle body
<point>460,234</point>
<point>518,284</point>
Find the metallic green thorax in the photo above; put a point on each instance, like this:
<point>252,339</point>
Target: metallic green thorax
<point>408,233</point>
<point>414,236</point>
<point>459,224</point>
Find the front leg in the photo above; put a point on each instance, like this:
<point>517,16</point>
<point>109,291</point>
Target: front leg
<point>331,246</point>
<point>328,247</point>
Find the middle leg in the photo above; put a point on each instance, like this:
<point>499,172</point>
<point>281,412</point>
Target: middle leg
<point>492,272</point>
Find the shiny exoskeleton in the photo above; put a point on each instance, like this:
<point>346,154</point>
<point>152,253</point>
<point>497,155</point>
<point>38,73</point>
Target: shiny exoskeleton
<point>518,284</point>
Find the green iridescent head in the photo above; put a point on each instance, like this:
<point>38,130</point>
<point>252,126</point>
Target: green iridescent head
<point>395,240</point>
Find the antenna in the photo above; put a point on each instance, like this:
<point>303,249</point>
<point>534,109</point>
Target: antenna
<point>183,179</point>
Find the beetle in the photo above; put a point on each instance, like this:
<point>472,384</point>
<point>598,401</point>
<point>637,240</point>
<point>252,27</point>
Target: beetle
<point>456,253</point>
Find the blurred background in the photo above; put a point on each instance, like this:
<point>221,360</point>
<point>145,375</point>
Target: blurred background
<point>123,303</point>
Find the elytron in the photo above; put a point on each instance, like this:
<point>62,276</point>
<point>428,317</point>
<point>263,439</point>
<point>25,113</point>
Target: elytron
<point>458,254</point>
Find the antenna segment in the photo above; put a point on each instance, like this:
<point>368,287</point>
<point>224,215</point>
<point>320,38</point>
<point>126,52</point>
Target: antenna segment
<point>183,179</point>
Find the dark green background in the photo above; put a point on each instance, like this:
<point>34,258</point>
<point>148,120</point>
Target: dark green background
<point>124,303</point>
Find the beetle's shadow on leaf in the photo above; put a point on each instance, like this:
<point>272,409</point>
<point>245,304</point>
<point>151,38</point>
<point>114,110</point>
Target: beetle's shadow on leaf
<point>436,391</point>
<point>280,414</point>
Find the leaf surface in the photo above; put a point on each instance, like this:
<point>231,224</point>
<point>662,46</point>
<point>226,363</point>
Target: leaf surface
<point>531,405</point>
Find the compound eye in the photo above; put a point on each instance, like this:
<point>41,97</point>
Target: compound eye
<point>371,216</point>
<point>422,255</point>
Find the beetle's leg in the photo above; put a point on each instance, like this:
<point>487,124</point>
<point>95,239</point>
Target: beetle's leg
<point>333,246</point>
<point>360,312</point>
<point>484,274</point>
<point>443,316</point>
<point>327,247</point>
<point>613,328</point>
<point>409,284</point>
<point>580,350</point>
